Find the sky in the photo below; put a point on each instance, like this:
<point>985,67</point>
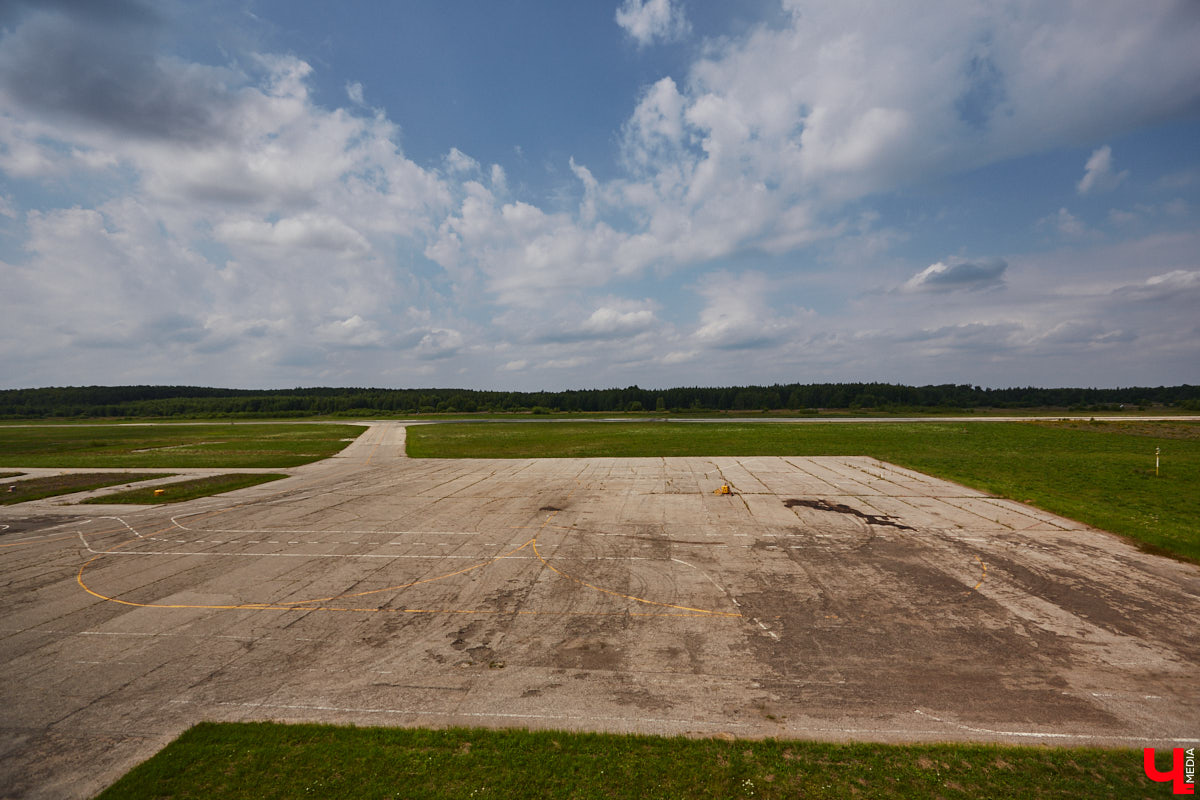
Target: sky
<point>529,195</point>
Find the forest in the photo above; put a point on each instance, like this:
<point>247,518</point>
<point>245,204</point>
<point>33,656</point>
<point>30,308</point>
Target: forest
<point>206,402</point>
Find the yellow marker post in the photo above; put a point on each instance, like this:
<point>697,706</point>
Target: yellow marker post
<point>157,492</point>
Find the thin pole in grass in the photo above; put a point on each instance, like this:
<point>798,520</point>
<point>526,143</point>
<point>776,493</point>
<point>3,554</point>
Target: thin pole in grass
<point>1157,450</point>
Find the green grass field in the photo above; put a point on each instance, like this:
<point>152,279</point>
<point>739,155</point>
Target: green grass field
<point>266,760</point>
<point>204,445</point>
<point>188,490</point>
<point>1100,473</point>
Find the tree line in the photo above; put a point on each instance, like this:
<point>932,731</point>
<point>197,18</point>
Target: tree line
<point>199,401</point>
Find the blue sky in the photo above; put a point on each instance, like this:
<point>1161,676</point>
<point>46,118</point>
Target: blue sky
<point>545,195</point>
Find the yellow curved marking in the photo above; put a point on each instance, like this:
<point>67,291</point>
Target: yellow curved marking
<point>312,604</point>
<point>289,607</point>
<point>700,611</point>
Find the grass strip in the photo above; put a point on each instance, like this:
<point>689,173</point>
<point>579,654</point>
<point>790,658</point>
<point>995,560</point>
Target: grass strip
<point>206,445</point>
<point>54,485</point>
<point>10,474</point>
<point>1100,473</point>
<point>187,490</point>
<point>268,760</point>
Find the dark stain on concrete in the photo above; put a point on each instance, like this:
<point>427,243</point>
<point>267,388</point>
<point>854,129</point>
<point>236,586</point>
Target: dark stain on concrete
<point>841,508</point>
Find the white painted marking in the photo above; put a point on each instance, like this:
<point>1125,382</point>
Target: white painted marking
<point>1038,735</point>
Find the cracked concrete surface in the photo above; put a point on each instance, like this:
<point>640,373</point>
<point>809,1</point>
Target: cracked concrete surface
<point>830,598</point>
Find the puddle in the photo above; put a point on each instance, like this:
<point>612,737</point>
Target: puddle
<point>839,508</point>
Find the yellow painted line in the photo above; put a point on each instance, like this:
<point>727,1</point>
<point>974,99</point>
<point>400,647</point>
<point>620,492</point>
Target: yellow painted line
<point>314,604</point>
<point>376,447</point>
<point>984,578</point>
<point>38,541</point>
<point>287,607</point>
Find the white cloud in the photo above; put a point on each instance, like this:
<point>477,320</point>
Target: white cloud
<point>680,357</point>
<point>351,332</point>
<point>564,363</point>
<point>1091,333</point>
<point>1181,285</point>
<point>253,222</point>
<point>608,321</point>
<point>438,343</point>
<point>738,314</point>
<point>958,275</point>
<point>647,20</point>
<point>1144,212</point>
<point>306,231</point>
<point>1098,173</point>
<point>459,162</point>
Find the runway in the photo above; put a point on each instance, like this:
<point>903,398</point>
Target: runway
<point>827,598</point>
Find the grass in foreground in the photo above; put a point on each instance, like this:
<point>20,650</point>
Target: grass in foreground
<point>268,760</point>
<point>1099,473</point>
<point>54,485</point>
<point>207,445</point>
<point>187,490</point>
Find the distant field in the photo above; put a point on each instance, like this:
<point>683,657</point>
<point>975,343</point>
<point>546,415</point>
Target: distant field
<point>188,490</point>
<point>208,445</point>
<point>266,760</point>
<point>1100,473</point>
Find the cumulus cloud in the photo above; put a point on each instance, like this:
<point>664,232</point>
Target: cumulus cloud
<point>1098,175</point>
<point>767,137</point>
<point>260,224</point>
<point>459,162</point>
<point>647,20</point>
<point>738,314</point>
<point>958,275</point>
<point>266,220</point>
<point>609,322</point>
